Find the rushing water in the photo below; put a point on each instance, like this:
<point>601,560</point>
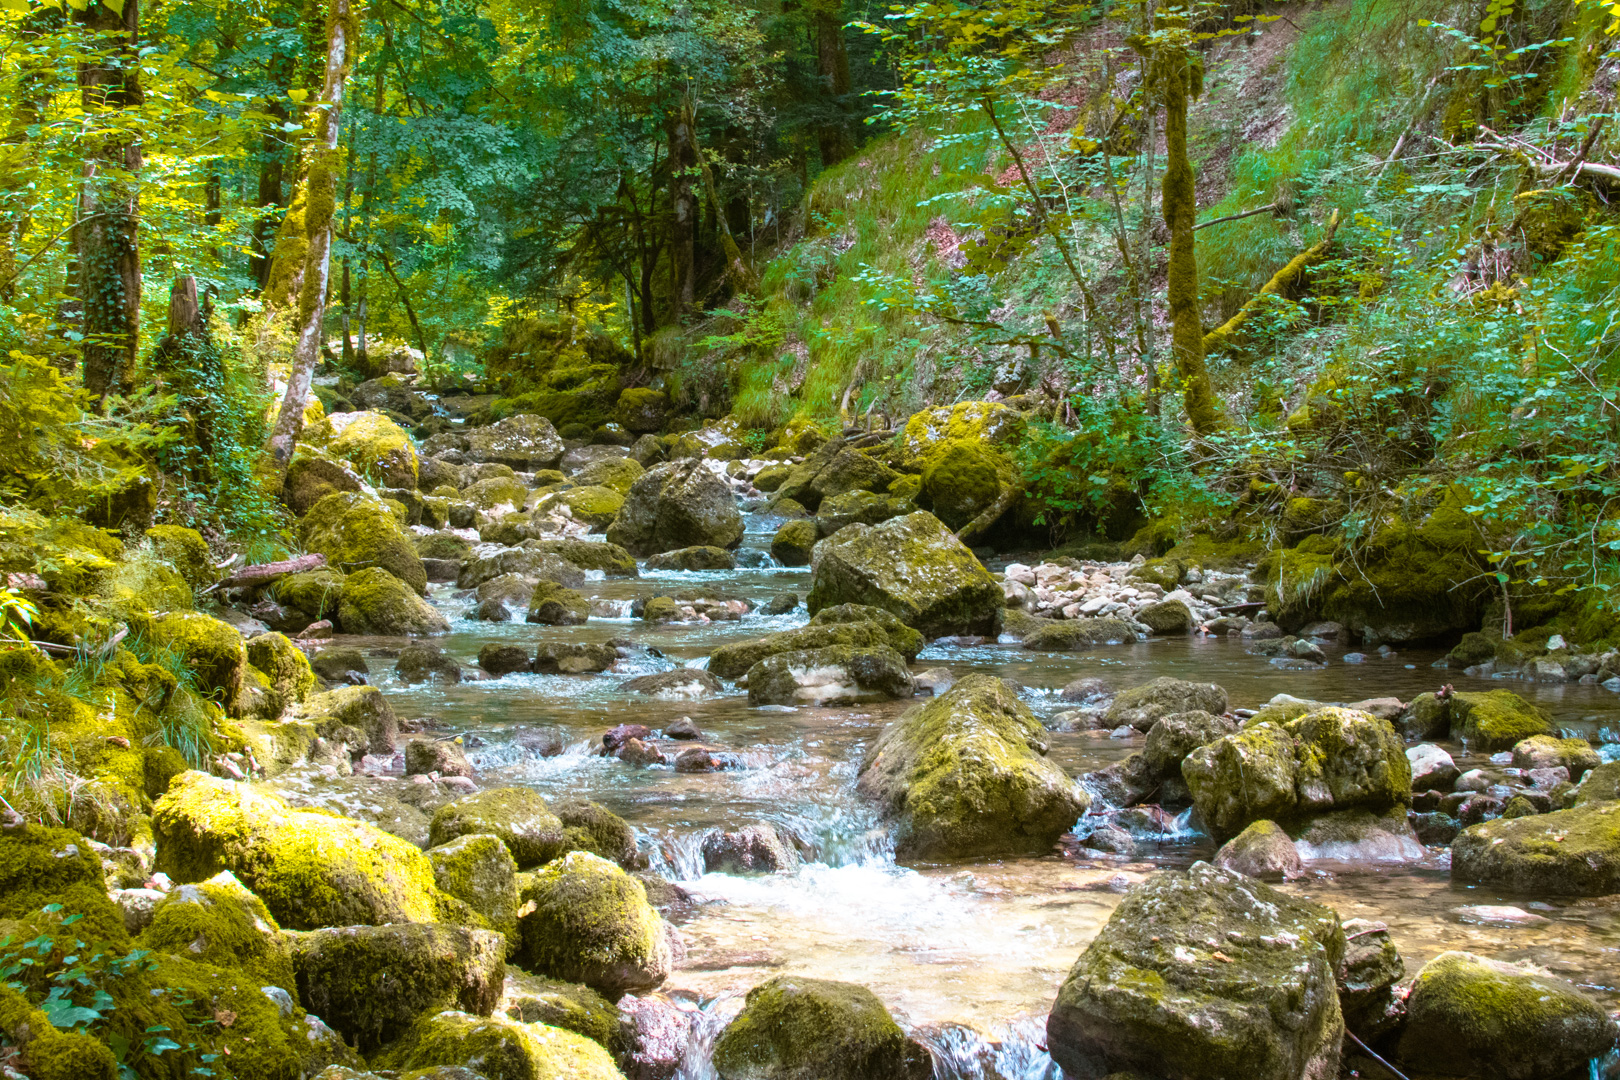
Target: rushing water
<point>967,956</point>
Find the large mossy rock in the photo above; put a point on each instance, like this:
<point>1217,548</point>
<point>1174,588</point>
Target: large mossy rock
<point>374,601</point>
<point>793,542</point>
<point>1142,706</point>
<point>611,559</point>
<point>1495,720</point>
<point>676,505</point>
<point>285,668</point>
<point>1068,635</point>
<point>902,638</point>
<point>912,567</point>
<point>734,660</point>
<point>835,675</point>
<point>371,983</point>
<point>1473,1016</point>
<point>587,921</point>
<point>312,593</point>
<point>186,551</point>
<point>1204,974</point>
<point>220,922</point>
<point>465,1046</point>
<point>531,564</point>
<point>36,1048</point>
<point>1330,759</point>
<point>212,650</point>
<point>962,480</point>
<point>572,1006</point>
<point>967,775</point>
<point>525,442</point>
<point>794,1028</point>
<point>1565,853</point>
<point>478,870</point>
<point>355,532</point>
<point>310,869</point>
<point>356,716</point>
<point>522,819</point>
<point>641,410</point>
<point>40,866</point>
<point>378,448</point>
<point>932,431</point>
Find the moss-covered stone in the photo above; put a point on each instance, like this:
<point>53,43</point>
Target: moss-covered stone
<point>1263,851</point>
<point>902,638</point>
<point>478,870</point>
<point>211,649</point>
<point>1572,852</point>
<point>525,442</point>
<point>374,601</point>
<point>313,474</point>
<point>792,543</point>
<point>693,558</point>
<point>313,593</point>
<point>641,410</point>
<point>674,505</point>
<point>661,609</point>
<point>835,675</point>
<point>532,563</point>
<point>40,1050</point>
<point>966,775</point>
<point>555,605</point>
<point>571,1006</point>
<point>1068,635</point>
<point>1173,737</point>
<point>357,716</point>
<point>590,922</point>
<point>497,1048</point>
<point>356,532</point>
<point>615,473</point>
<point>1143,706</point>
<point>594,506</point>
<point>611,559</point>
<point>1472,1016</point>
<point>519,816</point>
<point>497,491</point>
<point>444,545</point>
<point>1547,752</point>
<point>219,922</point>
<point>734,660</point>
<point>859,508</point>
<point>794,1028</point>
<point>982,422</point>
<point>574,657</point>
<point>310,869</point>
<point>371,983</point>
<point>592,827</point>
<point>41,866</point>
<point>1243,777</point>
<point>1167,617</point>
<point>961,480</point>
<point>912,567</point>
<point>186,551</point>
<point>378,448</point>
<point>1495,720</point>
<point>285,667</point>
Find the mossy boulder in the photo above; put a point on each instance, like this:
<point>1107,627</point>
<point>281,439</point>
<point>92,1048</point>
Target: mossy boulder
<point>219,922</point>
<point>522,819</point>
<point>533,563</point>
<point>444,545</point>
<point>914,568</point>
<point>478,870</point>
<point>424,661</point>
<point>374,601</point>
<point>734,660</point>
<point>859,508</point>
<point>357,532</point>
<point>693,558</point>
<point>371,983</point>
<point>592,827</point>
<point>1566,853</point>
<point>571,1006</point>
<point>574,657</point>
<point>1547,752</point>
<point>794,1028</point>
<point>1495,720</point>
<point>312,593</point>
<point>1173,737</point>
<point>310,869</point>
<point>927,432</point>
<point>1068,635</point>
<point>611,559</point>
<point>967,775</point>
<point>356,716</point>
<point>1472,1016</point>
<point>186,551</point>
<point>1143,706</point>
<point>641,410</point>
<point>616,473</point>
<point>497,491</point>
<point>594,506</point>
<point>1166,617</point>
<point>661,609</point>
<point>902,638</point>
<point>525,442</point>
<point>961,480</point>
<point>378,448</point>
<point>1263,851</point>
<point>587,921</point>
<point>555,605</point>
<point>212,650</point>
<point>835,675</point>
<point>285,668</point>
<point>793,541</point>
<point>41,866</point>
<point>313,474</point>
<point>1204,973</point>
<point>495,1048</point>
<point>40,1050</point>
<point>675,505</point>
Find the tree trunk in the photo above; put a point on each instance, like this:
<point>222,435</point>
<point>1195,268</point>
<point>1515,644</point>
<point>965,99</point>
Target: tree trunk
<point>189,366</point>
<point>1180,214</point>
<point>742,274</point>
<point>272,169</point>
<point>319,199</point>
<point>684,205</point>
<point>832,64</point>
<point>19,165</point>
<point>106,235</point>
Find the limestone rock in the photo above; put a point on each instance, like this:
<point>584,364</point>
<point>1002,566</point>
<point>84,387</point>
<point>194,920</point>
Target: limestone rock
<point>675,505</point>
<point>1143,706</point>
<point>1566,853</point>
<point>835,675</point>
<point>1262,851</point>
<point>374,601</point>
<point>526,443</point>
<point>794,1028</point>
<point>495,1048</point>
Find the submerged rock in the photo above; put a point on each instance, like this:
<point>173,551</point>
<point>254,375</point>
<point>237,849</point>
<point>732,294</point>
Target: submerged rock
<point>423,661</point>
<point>793,1028</point>
<point>680,684</point>
<point>966,774</point>
<point>902,638</point>
<point>756,849</point>
<point>676,505</point>
<point>1205,974</point>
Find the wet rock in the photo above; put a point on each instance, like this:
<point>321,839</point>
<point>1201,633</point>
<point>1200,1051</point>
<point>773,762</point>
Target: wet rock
<point>529,564</point>
<point>682,728</point>
<point>780,605</point>
<point>374,601</point>
<point>1567,853</point>
<point>1359,836</point>
<point>1143,706</point>
<point>756,849</point>
<point>573,657</point>
<point>1261,631</point>
<point>500,660</point>
<point>1167,617</point>
<point>358,531</point>
<point>1124,783</point>
<point>542,742</point>
<point>1087,689</point>
<point>696,759</point>
<point>611,559</point>
<point>442,756</point>
<point>1427,717</point>
<point>1432,767</point>
<point>1434,828</point>
<point>1112,839</point>
<point>512,590</point>
<point>494,1048</point>
<point>734,660</point>
<point>1472,1016</point>
<point>522,819</point>
<point>570,1006</point>
<point>1495,720</point>
<point>1173,737</point>
<point>623,733</point>
<point>525,443</point>
<point>1368,977</point>
<point>912,567</point>
<point>655,1034</point>
<point>554,605</point>
<point>357,716</point>
<point>966,774</point>
<point>680,684</point>
<point>1497,915</point>
<point>592,827</point>
<point>1204,973</point>
<point>693,558</point>
<point>1067,635</point>
<point>1547,752</point>
<point>902,638</point>
<point>637,752</point>
<point>478,870</point>
<point>423,661</point>
<point>935,681</point>
<point>675,505</point>
<point>1601,784</point>
<point>793,1028</point>
<point>835,675</point>
<point>489,611</point>
<point>370,983</point>
<point>1263,851</point>
<point>590,923</point>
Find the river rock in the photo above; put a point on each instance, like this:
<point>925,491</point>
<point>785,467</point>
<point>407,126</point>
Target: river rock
<point>1143,706</point>
<point>1601,784</point>
<point>587,921</point>
<point>478,870</point>
<point>1204,974</point>
<point>1547,752</point>
<point>571,1006</point>
<point>734,660</point>
<point>372,982</point>
<point>358,531</point>
<point>835,675</point>
<point>356,716</point>
<point>912,567</point>
<point>1369,976</point>
<point>1167,617</point>
<point>1566,853</point>
<point>902,638</point>
<point>794,1028</point>
<point>675,505</point>
<point>518,815</point>
<point>1473,1016</point>
<point>1173,737</point>
<point>374,601</point>
<point>1432,768</point>
<point>574,657</point>
<point>966,774</point>
<point>611,559</point>
<point>1495,720</point>
<point>555,605</point>
<point>526,443</point>
<point>1359,836</point>
<point>219,922</point>
<point>693,558</point>
<point>655,1033</point>
<point>453,1045</point>
<point>1263,851</point>
<point>530,565</point>
<point>1068,635</point>
<point>793,541</point>
<point>442,756</point>
<point>498,659</point>
<point>679,684</point>
<point>423,661</point>
<point>756,849</point>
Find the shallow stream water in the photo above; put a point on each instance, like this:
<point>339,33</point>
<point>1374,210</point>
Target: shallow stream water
<point>968,956</point>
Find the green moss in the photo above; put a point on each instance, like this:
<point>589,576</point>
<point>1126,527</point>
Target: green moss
<point>211,649</point>
<point>616,474</point>
<point>374,601</point>
<point>793,1028</point>
<point>186,551</point>
<point>792,543</point>
<point>1495,720</point>
<point>503,1049</point>
<point>557,605</point>
<point>286,668</point>
<point>611,559</point>
<point>570,1006</point>
<point>641,410</point>
<point>495,491</point>
<point>45,1052</point>
<point>220,922</point>
<point>961,480</point>
<point>41,866</point>
<point>378,448</point>
<point>590,923</point>
<point>443,545</point>
<point>660,609</point>
<point>478,870</point>
<point>521,818</point>
<point>1566,853</point>
<point>595,506</point>
<point>733,661</point>
<point>901,638</point>
<point>973,422</point>
<point>140,586</point>
<point>356,532</point>
<point>313,593</point>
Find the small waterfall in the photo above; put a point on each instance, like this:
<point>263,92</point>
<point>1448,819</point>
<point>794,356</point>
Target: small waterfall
<point>964,1053</point>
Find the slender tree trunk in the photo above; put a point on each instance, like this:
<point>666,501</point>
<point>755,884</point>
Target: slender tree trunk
<point>684,207</point>
<point>1180,214</point>
<point>319,205</point>
<point>737,267</point>
<point>19,165</point>
<point>272,169</point>
<point>109,200</point>
<point>348,217</point>
<point>362,353</point>
<point>832,64</point>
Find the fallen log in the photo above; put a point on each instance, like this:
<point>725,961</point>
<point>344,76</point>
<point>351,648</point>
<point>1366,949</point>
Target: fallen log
<point>264,573</point>
<point>980,525</point>
<point>1285,279</point>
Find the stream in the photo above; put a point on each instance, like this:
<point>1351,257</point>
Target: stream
<point>968,957</point>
